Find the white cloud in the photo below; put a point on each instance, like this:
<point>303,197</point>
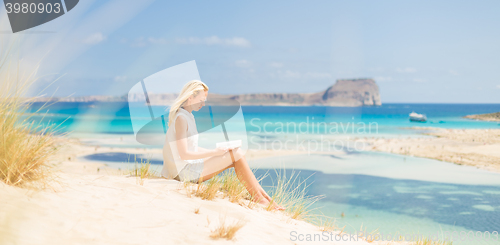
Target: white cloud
<point>243,63</point>
<point>138,42</point>
<point>157,40</point>
<point>276,64</point>
<point>453,72</point>
<point>120,78</point>
<point>142,42</point>
<point>291,74</point>
<point>406,70</point>
<point>383,79</point>
<point>94,38</point>
<point>214,40</point>
<point>498,86</point>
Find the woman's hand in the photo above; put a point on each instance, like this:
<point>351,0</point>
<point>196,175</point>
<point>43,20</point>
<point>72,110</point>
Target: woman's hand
<point>220,151</point>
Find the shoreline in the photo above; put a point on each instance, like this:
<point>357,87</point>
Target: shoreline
<point>92,201</point>
<point>472,147</point>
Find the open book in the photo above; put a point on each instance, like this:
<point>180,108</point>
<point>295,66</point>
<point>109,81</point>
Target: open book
<point>229,144</point>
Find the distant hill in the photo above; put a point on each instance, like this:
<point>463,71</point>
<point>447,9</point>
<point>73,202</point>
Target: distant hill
<point>486,117</point>
<point>345,92</point>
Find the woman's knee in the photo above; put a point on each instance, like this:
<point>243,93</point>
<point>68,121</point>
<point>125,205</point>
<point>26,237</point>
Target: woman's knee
<point>238,154</point>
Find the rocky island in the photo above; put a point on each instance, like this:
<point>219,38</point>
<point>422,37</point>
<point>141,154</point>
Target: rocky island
<point>494,117</point>
<point>345,92</point>
<point>351,92</point>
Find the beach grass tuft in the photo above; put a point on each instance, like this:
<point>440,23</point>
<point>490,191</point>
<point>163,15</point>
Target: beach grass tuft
<point>226,231</point>
<point>233,188</point>
<point>225,182</point>
<point>208,190</point>
<point>328,224</point>
<point>25,146</point>
<point>188,188</point>
<point>142,170</point>
<point>368,236</point>
<point>290,192</point>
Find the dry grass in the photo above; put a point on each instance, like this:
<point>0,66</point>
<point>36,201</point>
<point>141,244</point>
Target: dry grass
<point>369,236</point>
<point>226,183</point>
<point>290,192</point>
<point>187,186</point>
<point>233,188</point>
<point>142,170</point>
<point>226,231</point>
<point>25,146</point>
<point>209,189</point>
<point>328,224</point>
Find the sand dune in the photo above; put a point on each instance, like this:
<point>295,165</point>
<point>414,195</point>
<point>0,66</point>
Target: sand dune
<point>86,206</point>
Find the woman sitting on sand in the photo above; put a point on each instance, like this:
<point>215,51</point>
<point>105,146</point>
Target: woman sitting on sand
<point>201,164</point>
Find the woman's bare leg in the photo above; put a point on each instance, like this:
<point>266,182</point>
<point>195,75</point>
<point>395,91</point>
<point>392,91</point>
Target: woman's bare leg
<point>261,190</point>
<point>241,167</point>
<point>217,164</point>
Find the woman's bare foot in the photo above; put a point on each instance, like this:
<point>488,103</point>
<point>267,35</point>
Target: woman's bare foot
<point>266,203</point>
<point>269,200</point>
<point>277,207</point>
<point>264,193</point>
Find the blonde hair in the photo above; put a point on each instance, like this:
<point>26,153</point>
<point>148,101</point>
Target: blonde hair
<point>193,87</point>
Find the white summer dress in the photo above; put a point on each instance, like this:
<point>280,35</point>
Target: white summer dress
<point>173,166</point>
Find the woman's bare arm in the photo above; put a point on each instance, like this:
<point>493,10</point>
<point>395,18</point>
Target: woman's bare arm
<point>201,149</point>
<point>181,136</point>
<point>207,150</point>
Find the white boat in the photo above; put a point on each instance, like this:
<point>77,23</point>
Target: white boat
<point>415,117</point>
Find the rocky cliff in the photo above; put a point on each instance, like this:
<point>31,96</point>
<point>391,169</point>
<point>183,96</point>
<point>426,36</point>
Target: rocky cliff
<point>345,92</point>
<point>356,92</point>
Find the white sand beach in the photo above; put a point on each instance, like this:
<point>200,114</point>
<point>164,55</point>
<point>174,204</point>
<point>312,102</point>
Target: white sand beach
<point>473,147</point>
<point>89,203</point>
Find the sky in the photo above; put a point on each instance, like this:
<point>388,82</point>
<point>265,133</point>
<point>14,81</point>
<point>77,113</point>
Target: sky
<point>417,51</point>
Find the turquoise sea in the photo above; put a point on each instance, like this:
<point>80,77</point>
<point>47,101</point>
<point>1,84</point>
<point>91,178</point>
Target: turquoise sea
<point>388,192</point>
<point>114,117</point>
